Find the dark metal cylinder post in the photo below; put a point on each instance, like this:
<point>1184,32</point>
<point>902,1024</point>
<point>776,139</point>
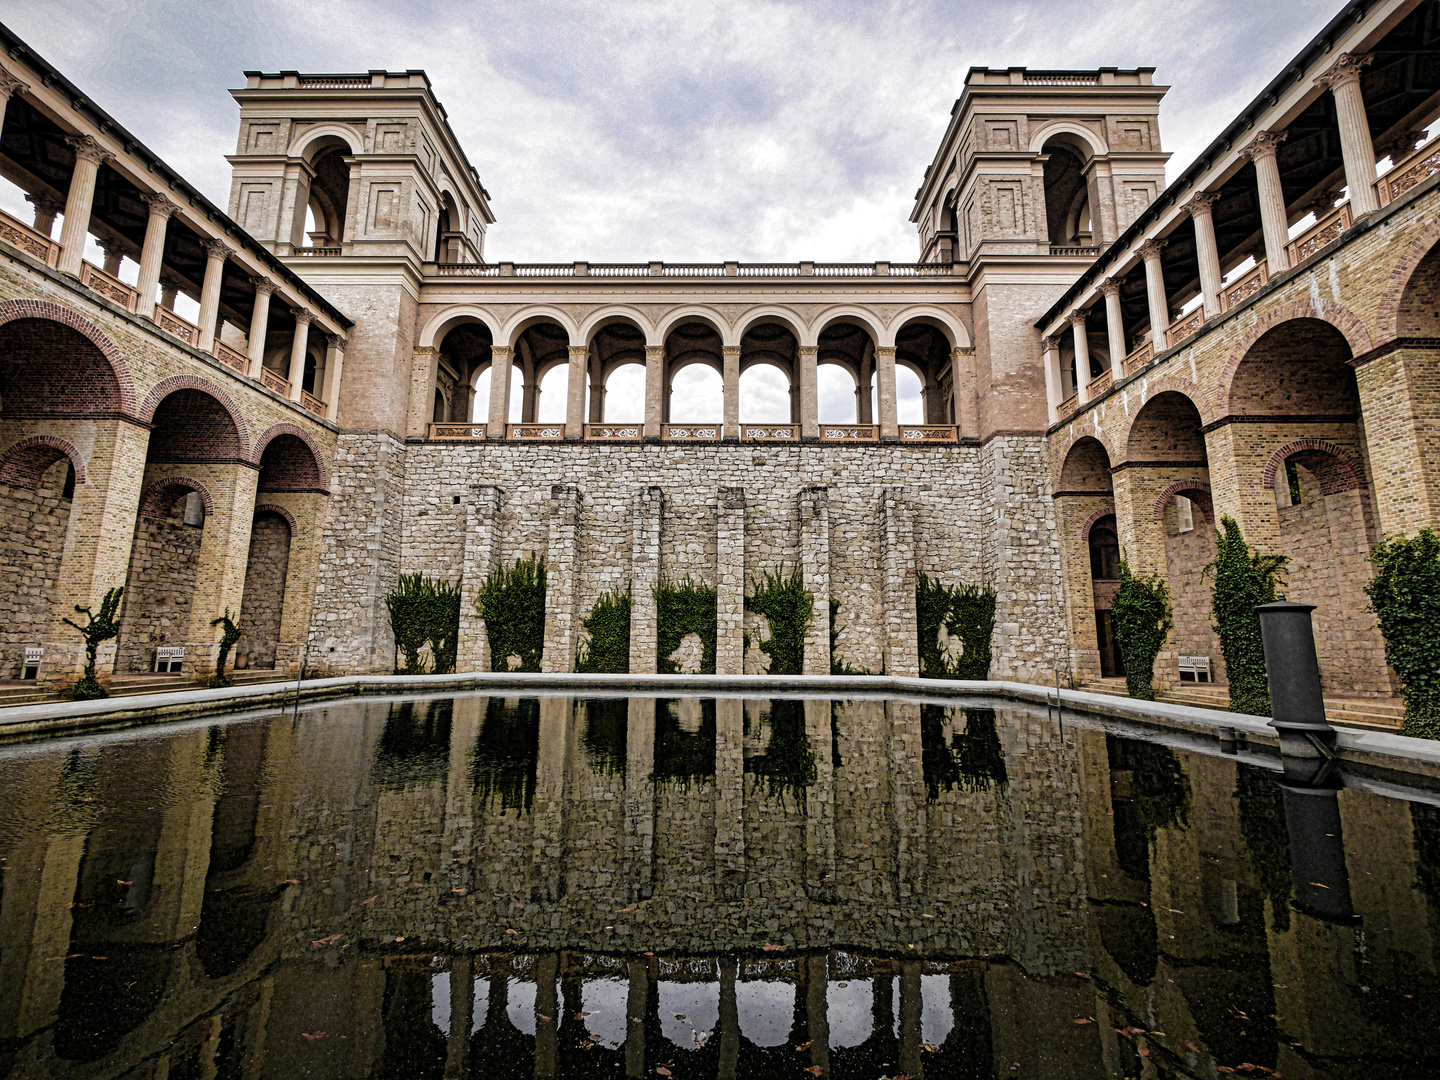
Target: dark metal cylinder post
<point>1297,704</point>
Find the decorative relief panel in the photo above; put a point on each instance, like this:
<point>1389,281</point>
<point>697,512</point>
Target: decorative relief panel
<point>1002,135</point>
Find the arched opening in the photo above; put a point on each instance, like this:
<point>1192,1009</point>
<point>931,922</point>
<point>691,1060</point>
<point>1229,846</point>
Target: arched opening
<point>851,346</point>
<point>1418,314</point>
<point>617,374</point>
<point>266,569</point>
<point>909,395</point>
<point>288,464</point>
<point>1300,367</point>
<point>839,394</point>
<point>769,369</point>
<point>480,411</point>
<point>1104,549</point>
<point>541,346</point>
<point>1067,197</point>
<point>695,383</point>
<point>463,354</point>
<point>448,231</point>
<point>329,200</point>
<point>923,351</point>
<point>1085,506</point>
<point>623,401</point>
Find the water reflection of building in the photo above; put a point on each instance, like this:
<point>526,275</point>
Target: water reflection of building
<point>411,890</point>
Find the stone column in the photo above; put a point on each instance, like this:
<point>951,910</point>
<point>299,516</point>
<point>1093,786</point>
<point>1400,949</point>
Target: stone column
<point>113,255</point>
<point>731,430</point>
<point>1273,219</point>
<point>864,406</point>
<point>1115,328</point>
<point>1200,207</point>
<point>561,559</point>
<point>635,1008</point>
<point>809,373</point>
<point>817,1012</point>
<point>729,1020</point>
<point>152,254</point>
<point>654,390</point>
<point>1054,385</point>
<point>9,85</point>
<point>1356,146</point>
<point>501,366</point>
<point>1155,292</point>
<point>730,581</point>
<point>224,556</point>
<point>820,805</point>
<point>547,830</point>
<point>645,515</point>
<point>334,365</point>
<point>89,155</point>
<point>901,652</point>
<point>482,556</point>
<point>216,252</point>
<point>575,401</point>
<point>259,324</point>
<point>1081,337</point>
<point>885,371</point>
<point>730,799</point>
<point>815,567</point>
<point>597,389</point>
<point>298,346</point>
<point>962,378</point>
<point>907,794</point>
<point>46,210</point>
<point>168,291</point>
<point>638,850</point>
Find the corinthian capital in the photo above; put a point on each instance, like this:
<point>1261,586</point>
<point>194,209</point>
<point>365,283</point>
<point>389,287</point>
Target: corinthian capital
<point>1345,70</point>
<point>1152,248</point>
<point>87,149</point>
<point>1077,318</point>
<point>1201,202</point>
<point>1264,144</point>
<point>9,84</point>
<point>1110,287</point>
<point>159,204</point>
<point>217,249</point>
<point>303,317</point>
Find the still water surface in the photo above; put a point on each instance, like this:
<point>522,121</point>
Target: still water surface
<point>485,887</point>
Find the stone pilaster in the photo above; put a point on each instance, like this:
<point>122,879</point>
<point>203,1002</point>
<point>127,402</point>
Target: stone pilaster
<point>547,843</point>
<point>501,367</point>
<point>654,391</point>
<point>731,376</point>
<point>561,566</point>
<point>901,651</point>
<point>730,798</point>
<point>815,567</point>
<point>645,515</point>
<point>575,400</point>
<point>809,377</point>
<point>907,797</point>
<point>481,557</point>
<point>638,851</point>
<point>820,805</point>
<point>967,406</point>
<point>885,373</point>
<point>730,581</point>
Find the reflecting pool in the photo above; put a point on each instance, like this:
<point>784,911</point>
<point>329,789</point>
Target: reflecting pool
<point>514,887</point>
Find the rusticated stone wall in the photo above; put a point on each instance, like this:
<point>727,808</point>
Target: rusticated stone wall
<point>264,590</point>
<point>160,588</point>
<point>30,550</point>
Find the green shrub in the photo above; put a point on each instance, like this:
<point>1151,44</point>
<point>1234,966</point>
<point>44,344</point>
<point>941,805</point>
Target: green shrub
<point>788,607</point>
<point>424,610</point>
<point>972,761</point>
<point>1244,578</point>
<point>683,608</point>
<point>512,603</point>
<point>788,763</point>
<point>606,648</point>
<point>229,634</point>
<point>1405,597</point>
<point>97,628</point>
<point>1141,610</point>
<point>966,612</point>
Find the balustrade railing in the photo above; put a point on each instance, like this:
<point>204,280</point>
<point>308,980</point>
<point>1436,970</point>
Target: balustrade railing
<point>614,432</point>
<point>535,432</point>
<point>1327,229</point>
<point>271,381</point>
<point>849,433</point>
<point>928,433</point>
<point>1139,357</point>
<point>1067,407</point>
<point>770,432</point>
<point>112,288</point>
<point>690,432</point>
<point>175,326</point>
<point>232,358</point>
<point>310,403</point>
<point>1407,173</point>
<point>35,244</point>
<point>1101,383</point>
<point>457,433</point>
<point>691,270</point>
<point>1245,286</point>
<point>1184,326</point>
<point>319,252</point>
<point>1082,251</point>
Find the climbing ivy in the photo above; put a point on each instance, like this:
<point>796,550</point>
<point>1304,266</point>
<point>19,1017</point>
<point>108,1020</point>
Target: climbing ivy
<point>788,607</point>
<point>606,648</point>
<point>685,757</point>
<point>788,764</point>
<point>1141,610</point>
<point>683,608</point>
<point>838,664</point>
<point>1244,578</point>
<point>973,760</point>
<point>506,756</point>
<point>229,634</point>
<point>1267,838</point>
<point>607,730</point>
<point>512,603</point>
<point>97,628</point>
<point>966,612</point>
<point>424,609</point>
<point>1405,597</point>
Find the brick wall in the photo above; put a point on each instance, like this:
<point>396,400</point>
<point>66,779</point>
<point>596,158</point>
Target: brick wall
<point>264,591</point>
<point>159,589</point>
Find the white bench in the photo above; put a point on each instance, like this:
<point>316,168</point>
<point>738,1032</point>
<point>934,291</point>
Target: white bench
<point>1195,669</point>
<point>169,658</point>
<point>33,656</point>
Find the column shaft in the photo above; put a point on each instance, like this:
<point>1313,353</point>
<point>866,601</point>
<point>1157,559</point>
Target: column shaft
<point>815,568</point>
<point>298,347</point>
<point>1054,387</point>
<point>809,374</point>
<point>1155,292</point>
<point>334,365</point>
<point>575,402</point>
<point>9,85</point>
<point>654,390</point>
<point>1273,219</point>
<point>1115,329</point>
<point>1206,251</point>
<point>560,574</point>
<point>1081,337</point>
<point>501,366</point>
<point>1356,146</point>
<point>79,201</point>
<point>152,253</point>
<point>731,375</point>
<point>216,252</point>
<point>259,323</point>
<point>885,371</point>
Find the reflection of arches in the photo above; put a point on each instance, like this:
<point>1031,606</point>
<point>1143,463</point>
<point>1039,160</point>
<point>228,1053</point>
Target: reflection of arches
<point>23,464</point>
<point>1336,470</point>
<point>37,335</point>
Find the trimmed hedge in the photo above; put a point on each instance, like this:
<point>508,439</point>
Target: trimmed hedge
<point>512,603</point>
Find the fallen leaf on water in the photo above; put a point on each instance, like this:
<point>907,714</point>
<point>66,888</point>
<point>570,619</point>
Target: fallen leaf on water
<point>662,1070</point>
<point>582,1015</point>
<point>512,931</point>
<point>627,911</point>
<point>815,1070</point>
<point>773,948</point>
<point>681,1016</point>
<point>1225,1069</point>
<point>930,1049</point>
<point>371,900</point>
<point>1318,885</point>
<point>1237,1014</point>
<point>290,881</point>
<point>802,1046</point>
<point>843,985</point>
<point>313,1035</point>
<point>459,890</point>
<point>1082,974</point>
<point>1083,1020</point>
<point>99,958</point>
<point>543,1017</point>
<point>1144,1051</point>
<point>326,941</point>
<point>119,882</point>
<point>400,938</point>
<point>1191,1046</point>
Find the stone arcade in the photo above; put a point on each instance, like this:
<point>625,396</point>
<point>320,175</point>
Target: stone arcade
<point>1107,363</point>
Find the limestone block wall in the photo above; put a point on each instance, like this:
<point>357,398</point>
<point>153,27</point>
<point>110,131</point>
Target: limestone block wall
<point>30,551</point>
<point>263,606</point>
<point>160,589</point>
<point>647,512</point>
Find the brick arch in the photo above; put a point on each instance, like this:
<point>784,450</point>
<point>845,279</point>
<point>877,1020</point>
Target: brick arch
<point>1180,487</point>
<point>275,431</point>
<point>1341,473</point>
<point>1077,437</point>
<point>1387,312</point>
<point>165,387</point>
<point>1326,311</point>
<point>271,508</point>
<point>150,499</point>
<point>1169,384</point>
<point>1093,519</point>
<point>30,308</point>
<point>23,464</point>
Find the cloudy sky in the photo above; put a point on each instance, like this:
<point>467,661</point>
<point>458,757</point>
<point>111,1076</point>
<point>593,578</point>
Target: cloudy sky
<point>759,130</point>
